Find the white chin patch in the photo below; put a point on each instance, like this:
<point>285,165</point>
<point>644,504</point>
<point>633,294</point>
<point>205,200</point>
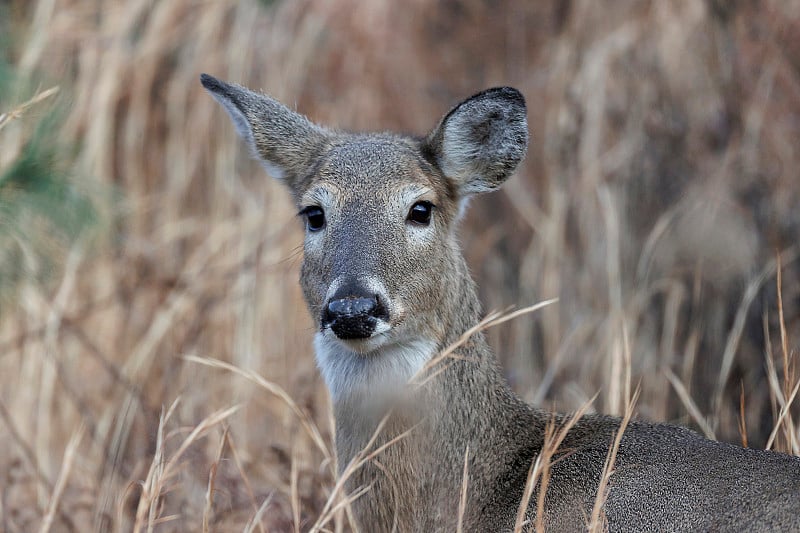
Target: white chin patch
<point>371,366</point>
<point>381,327</point>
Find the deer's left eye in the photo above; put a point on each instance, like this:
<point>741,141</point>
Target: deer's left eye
<point>420,213</point>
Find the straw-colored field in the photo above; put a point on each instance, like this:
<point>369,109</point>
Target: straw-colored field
<point>156,368</point>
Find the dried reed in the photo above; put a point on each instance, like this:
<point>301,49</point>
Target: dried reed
<point>660,182</point>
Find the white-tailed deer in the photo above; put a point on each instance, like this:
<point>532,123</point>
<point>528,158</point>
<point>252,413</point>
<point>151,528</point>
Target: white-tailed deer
<point>388,287</point>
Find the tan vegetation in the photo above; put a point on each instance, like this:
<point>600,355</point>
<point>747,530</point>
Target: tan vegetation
<point>163,378</point>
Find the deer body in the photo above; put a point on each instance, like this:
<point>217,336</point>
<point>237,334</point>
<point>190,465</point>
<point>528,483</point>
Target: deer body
<point>389,289</point>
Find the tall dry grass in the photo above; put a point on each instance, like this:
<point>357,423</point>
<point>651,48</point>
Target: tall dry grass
<point>659,201</point>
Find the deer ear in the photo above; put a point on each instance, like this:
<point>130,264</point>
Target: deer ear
<point>480,142</point>
<point>286,142</point>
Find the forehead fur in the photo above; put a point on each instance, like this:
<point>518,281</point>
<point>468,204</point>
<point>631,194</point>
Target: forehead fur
<point>370,164</point>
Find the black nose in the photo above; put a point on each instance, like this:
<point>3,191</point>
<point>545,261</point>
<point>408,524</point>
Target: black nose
<point>354,317</point>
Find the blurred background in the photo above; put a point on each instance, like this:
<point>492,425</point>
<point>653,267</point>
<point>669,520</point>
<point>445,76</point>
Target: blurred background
<point>660,201</point>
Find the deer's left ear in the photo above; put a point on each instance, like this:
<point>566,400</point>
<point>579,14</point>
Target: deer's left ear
<point>480,142</point>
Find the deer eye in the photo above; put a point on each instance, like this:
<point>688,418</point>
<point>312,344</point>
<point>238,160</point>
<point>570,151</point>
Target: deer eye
<point>315,217</point>
<point>420,213</point>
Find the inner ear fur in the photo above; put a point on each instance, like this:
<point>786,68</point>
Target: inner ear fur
<point>480,142</point>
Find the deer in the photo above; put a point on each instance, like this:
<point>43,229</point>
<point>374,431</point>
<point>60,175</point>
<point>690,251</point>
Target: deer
<point>388,288</point>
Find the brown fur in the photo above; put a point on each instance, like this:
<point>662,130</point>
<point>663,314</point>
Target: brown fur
<point>666,478</point>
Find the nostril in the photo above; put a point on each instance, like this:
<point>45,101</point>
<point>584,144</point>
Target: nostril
<point>380,310</point>
<point>327,316</point>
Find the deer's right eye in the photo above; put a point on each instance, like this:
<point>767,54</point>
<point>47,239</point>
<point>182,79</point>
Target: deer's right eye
<point>315,218</point>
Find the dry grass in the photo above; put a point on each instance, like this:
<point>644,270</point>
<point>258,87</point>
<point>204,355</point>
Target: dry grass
<point>597,521</point>
<point>660,183</point>
<point>20,109</point>
<point>539,472</point>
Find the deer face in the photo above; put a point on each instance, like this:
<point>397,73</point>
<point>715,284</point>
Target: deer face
<point>378,221</point>
<point>380,212</point>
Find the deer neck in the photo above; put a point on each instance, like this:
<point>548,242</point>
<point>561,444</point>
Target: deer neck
<point>365,385</point>
<point>463,402</point>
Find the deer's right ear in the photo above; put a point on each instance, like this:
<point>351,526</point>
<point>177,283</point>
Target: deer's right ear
<point>285,142</point>
<point>480,142</point>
